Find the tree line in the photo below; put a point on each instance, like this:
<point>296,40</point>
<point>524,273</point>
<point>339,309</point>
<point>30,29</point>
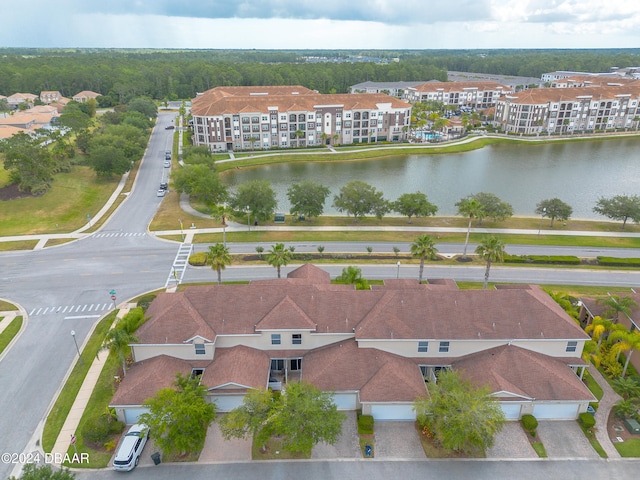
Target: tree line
<point>121,75</point>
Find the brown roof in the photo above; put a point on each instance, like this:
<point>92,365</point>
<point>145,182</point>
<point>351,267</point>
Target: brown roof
<point>525,373</point>
<point>238,365</point>
<point>462,314</point>
<point>379,376</point>
<point>144,379</point>
<point>540,96</point>
<point>225,100</point>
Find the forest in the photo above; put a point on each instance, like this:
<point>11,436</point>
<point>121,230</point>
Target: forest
<point>121,74</point>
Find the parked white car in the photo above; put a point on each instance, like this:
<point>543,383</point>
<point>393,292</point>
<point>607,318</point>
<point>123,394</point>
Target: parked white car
<point>130,449</point>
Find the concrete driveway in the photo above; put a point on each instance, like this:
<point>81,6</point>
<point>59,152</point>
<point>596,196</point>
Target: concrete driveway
<point>397,440</point>
<point>564,439</point>
<point>511,442</point>
<point>348,444</point>
<point>217,449</point>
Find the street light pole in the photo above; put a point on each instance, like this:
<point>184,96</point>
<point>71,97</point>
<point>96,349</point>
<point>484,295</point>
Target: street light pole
<point>73,334</point>
<point>398,272</point>
<point>544,210</point>
<point>248,219</point>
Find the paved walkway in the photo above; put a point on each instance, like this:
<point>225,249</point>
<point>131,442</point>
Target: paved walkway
<point>77,409</point>
<point>608,400</point>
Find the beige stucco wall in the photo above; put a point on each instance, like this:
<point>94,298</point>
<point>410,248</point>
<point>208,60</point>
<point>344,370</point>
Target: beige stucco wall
<point>458,348</point>
<point>263,341</point>
<point>185,352</point>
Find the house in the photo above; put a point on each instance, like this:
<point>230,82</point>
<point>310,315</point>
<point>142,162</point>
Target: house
<point>395,89</point>
<point>18,98</point>
<point>263,117</point>
<point>85,95</point>
<point>377,350</point>
<point>32,119</point>
<point>50,96</point>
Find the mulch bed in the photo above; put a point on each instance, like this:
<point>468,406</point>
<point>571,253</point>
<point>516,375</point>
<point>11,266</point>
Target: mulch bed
<point>11,192</point>
<point>616,428</point>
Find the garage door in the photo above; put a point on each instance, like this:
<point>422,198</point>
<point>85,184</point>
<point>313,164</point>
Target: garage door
<point>558,411</point>
<point>345,401</point>
<point>393,412</point>
<point>131,415</point>
<point>511,410</point>
<point>226,403</point>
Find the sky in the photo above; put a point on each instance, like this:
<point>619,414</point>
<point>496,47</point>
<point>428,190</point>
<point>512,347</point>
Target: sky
<point>321,24</point>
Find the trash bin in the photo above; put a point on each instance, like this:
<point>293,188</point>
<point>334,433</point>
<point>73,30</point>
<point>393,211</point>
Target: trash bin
<point>156,458</point>
<point>368,450</point>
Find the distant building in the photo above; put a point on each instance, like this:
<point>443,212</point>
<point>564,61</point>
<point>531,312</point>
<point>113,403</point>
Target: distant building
<point>262,117</point>
<point>85,95</point>
<point>478,95</point>
<point>395,89</point>
<point>18,98</point>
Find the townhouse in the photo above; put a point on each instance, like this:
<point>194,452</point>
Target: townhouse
<point>376,349</point>
<point>263,117</point>
<point>85,95</point>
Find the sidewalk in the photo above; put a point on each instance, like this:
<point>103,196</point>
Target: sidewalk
<point>608,400</point>
<point>70,426</point>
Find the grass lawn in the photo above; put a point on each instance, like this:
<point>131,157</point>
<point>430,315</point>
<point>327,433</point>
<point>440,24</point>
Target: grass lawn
<point>64,208</point>
<point>593,441</point>
<point>7,307</point>
<point>629,448</point>
<point>58,414</point>
<point>365,440</point>
<point>272,450</point>
<point>10,332</point>
<point>592,385</point>
<point>539,449</point>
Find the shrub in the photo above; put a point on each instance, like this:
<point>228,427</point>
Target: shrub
<point>145,301</point>
<point>116,427</point>
<point>529,423</point>
<point>586,420</point>
<point>546,259</point>
<point>198,259</point>
<point>619,262</point>
<point>110,445</point>
<point>365,424</point>
<point>96,430</point>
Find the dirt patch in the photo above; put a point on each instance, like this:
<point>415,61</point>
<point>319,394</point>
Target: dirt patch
<point>11,192</point>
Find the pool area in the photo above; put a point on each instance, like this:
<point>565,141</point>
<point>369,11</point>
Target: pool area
<point>428,136</point>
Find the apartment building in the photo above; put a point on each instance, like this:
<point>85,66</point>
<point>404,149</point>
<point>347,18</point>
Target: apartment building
<point>567,110</point>
<point>477,95</point>
<point>263,117</point>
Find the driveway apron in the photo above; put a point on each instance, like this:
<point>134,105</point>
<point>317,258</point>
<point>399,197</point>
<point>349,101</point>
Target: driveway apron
<point>217,449</point>
<point>511,442</point>
<point>564,439</point>
<point>397,440</point>
<point>347,445</point>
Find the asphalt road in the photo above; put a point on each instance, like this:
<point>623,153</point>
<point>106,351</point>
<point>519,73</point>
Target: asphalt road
<point>67,288</point>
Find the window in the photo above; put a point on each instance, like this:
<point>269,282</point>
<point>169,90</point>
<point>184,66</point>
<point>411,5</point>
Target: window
<point>444,347</point>
<point>423,347</point>
<point>296,364</point>
<point>572,346</point>
<point>296,339</point>
<point>197,372</point>
<point>275,339</point>
<point>200,350</point>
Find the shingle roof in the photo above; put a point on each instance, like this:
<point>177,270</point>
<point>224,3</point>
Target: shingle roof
<point>524,373</point>
<point>380,376</point>
<point>541,96</point>
<point>238,365</point>
<point>460,86</point>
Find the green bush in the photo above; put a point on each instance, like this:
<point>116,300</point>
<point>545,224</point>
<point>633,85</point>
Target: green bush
<point>116,426</point>
<point>96,430</point>
<point>198,259</point>
<point>365,424</point>
<point>586,420</point>
<point>145,301</point>
<point>529,423</point>
<point>619,262</point>
<point>545,259</point>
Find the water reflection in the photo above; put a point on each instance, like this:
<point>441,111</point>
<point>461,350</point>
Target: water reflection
<point>577,173</point>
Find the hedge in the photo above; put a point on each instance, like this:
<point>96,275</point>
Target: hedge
<point>619,262</point>
<point>529,423</point>
<point>586,420</point>
<point>198,259</point>
<point>556,260</point>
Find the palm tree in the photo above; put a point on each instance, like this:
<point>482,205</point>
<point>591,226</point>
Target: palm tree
<point>490,249</point>
<point>117,341</point>
<point>219,257</point>
<point>278,256</point>
<point>423,247</point>
<point>625,341</point>
<point>617,305</point>
<point>471,208</point>
<point>599,327</point>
